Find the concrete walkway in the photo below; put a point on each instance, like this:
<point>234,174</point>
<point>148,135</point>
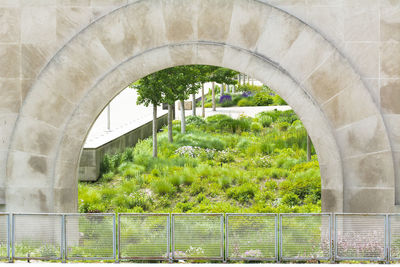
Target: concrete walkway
<point>234,112</point>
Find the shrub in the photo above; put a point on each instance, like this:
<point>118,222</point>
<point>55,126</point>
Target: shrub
<point>245,102</point>
<point>290,199</point>
<point>162,187</point>
<point>243,144</point>
<point>208,105</point>
<point>263,99</point>
<point>265,120</point>
<point>244,123</point>
<point>256,127</point>
<point>243,193</point>
<point>225,98</point>
<point>283,126</point>
<point>225,182</point>
<point>195,120</point>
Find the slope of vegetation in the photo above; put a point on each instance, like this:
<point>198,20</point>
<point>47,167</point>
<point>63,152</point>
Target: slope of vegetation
<point>220,165</point>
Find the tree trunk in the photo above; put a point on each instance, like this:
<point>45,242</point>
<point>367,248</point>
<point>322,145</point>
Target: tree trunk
<point>239,79</point>
<point>183,122</point>
<point>308,148</point>
<point>170,115</point>
<point>194,104</point>
<point>222,89</point>
<point>213,96</point>
<point>203,110</point>
<point>154,131</point>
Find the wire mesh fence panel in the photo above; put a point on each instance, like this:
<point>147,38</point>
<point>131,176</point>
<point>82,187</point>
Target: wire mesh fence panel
<point>198,236</point>
<point>251,237</point>
<point>394,237</point>
<point>90,236</point>
<point>143,236</point>
<point>360,236</point>
<point>4,236</point>
<point>305,236</point>
<point>37,236</point>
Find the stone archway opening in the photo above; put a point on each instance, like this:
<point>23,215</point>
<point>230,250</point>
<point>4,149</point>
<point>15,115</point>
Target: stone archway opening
<point>306,70</point>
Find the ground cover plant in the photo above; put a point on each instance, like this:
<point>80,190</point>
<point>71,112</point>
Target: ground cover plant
<point>221,164</point>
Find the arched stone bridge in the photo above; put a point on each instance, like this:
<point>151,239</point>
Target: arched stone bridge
<point>337,63</point>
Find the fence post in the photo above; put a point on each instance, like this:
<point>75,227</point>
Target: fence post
<point>12,237</point>
<point>9,238</point>
<point>332,233</point>
<point>276,238</point>
<point>172,237</point>
<point>63,238</point>
<point>226,237</point>
<point>280,238</point>
<point>387,239</point>
<point>223,254</point>
<point>115,240</point>
<point>169,238</point>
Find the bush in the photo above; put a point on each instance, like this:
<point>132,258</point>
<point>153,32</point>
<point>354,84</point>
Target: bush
<point>263,99</point>
<point>162,187</point>
<point>208,105</point>
<point>195,120</point>
<point>265,120</point>
<point>243,193</point>
<point>256,127</point>
<point>225,182</point>
<point>246,102</point>
<point>290,199</point>
<point>225,98</point>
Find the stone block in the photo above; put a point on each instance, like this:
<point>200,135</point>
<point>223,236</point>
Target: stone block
<point>65,175</point>
<point>52,109</point>
<point>10,25</point>
<point>393,126</point>
<point>307,52</point>
<point>38,25</point>
<point>65,200</point>
<point>285,30</point>
<point>180,20</point>
<point>371,170</point>
<point>365,57</point>
<point>331,14</point>
<point>248,23</point>
<point>40,138</point>
<point>96,3</point>
<point>29,199</point>
<point>212,24</point>
<point>390,60</point>
<point>10,95</point>
<point>21,163</point>
<point>187,105</point>
<point>374,89</point>
<point>330,78</point>
<point>331,200</point>
<point>7,122</point>
<point>71,20</point>
<point>33,59</point>
<point>361,21</point>
<point>341,109</point>
<point>390,21</point>
<point>390,96</point>
<point>73,3</point>
<point>144,26</point>
<point>183,54</point>
<point>365,136</point>
<point>369,200</point>
<point>210,54</point>
<point>26,85</point>
<point>70,149</point>
<point>9,56</point>
<point>331,175</point>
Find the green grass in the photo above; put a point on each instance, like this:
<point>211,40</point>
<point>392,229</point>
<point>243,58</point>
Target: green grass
<point>220,165</point>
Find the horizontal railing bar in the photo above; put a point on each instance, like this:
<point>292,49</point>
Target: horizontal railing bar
<point>197,214</point>
<point>144,214</point>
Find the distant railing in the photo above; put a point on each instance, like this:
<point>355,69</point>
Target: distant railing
<point>206,237</point>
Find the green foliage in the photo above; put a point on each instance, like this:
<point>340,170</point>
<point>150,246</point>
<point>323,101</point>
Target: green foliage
<point>262,99</point>
<point>220,165</point>
<point>246,102</point>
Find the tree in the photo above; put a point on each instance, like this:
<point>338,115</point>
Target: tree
<point>151,91</point>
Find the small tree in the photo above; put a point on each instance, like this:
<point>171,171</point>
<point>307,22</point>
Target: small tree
<point>151,92</point>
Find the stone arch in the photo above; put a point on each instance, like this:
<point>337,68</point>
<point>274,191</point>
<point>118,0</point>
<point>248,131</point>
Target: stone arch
<point>146,36</point>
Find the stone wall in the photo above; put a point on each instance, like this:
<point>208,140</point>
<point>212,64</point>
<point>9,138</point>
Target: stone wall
<point>89,165</point>
<point>337,63</point>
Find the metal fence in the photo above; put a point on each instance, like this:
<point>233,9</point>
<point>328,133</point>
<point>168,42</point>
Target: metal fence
<point>251,237</point>
<point>305,236</point>
<point>198,236</point>
<point>90,237</point>
<point>144,236</point>
<point>233,237</point>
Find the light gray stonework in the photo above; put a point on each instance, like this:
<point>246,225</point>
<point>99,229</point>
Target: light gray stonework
<point>335,62</point>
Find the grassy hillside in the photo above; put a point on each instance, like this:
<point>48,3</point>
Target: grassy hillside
<point>220,165</point>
